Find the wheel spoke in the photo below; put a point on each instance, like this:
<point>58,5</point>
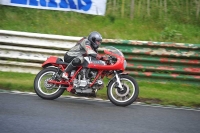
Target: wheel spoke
<point>123,98</point>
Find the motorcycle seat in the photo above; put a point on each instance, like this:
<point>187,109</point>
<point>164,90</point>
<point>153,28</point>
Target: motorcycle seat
<point>61,62</point>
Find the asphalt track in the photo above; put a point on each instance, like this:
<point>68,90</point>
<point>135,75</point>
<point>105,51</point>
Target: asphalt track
<point>27,113</point>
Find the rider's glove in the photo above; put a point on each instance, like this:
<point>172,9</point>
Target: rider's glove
<point>99,57</point>
<point>104,58</point>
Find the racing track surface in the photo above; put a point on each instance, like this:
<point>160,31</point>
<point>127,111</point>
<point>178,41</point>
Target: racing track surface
<point>27,113</point>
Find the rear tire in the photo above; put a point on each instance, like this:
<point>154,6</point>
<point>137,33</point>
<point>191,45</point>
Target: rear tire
<point>45,90</point>
<point>126,96</point>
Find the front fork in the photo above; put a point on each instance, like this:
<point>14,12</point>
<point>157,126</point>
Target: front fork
<point>118,81</point>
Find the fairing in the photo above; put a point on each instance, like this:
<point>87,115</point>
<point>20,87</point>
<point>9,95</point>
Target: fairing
<point>119,65</point>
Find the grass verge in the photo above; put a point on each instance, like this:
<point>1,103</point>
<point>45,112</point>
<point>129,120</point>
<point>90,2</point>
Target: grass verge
<point>150,92</point>
<point>110,26</point>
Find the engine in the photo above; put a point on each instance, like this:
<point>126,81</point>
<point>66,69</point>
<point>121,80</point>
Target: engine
<point>84,79</point>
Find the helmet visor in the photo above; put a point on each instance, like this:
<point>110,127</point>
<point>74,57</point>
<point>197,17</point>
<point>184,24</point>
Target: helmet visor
<point>98,42</point>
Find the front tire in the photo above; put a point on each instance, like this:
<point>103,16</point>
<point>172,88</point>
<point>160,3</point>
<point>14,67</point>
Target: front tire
<point>45,90</point>
<point>126,96</point>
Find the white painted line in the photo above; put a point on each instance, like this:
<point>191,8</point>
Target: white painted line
<point>101,100</point>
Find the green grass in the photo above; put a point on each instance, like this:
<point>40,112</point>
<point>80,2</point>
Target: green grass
<point>110,26</point>
<point>16,81</point>
<point>173,94</point>
<point>159,93</point>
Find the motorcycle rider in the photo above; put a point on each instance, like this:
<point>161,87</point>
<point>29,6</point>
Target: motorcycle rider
<point>85,47</point>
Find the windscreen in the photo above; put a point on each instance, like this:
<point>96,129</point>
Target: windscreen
<point>114,50</point>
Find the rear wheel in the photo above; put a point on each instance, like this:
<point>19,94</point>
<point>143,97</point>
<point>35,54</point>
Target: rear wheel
<point>126,96</point>
<point>44,89</point>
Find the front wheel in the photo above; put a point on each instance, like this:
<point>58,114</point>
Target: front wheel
<point>44,89</point>
<point>126,96</point>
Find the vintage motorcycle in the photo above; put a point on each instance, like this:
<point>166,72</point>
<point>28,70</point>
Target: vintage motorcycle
<point>122,89</point>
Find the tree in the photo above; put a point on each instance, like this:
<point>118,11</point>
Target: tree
<point>148,8</point>
<point>122,8</point>
<point>165,4</point>
<point>197,2</point>
<point>132,10</point>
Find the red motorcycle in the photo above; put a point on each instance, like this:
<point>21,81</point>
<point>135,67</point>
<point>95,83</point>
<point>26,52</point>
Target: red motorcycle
<point>122,89</point>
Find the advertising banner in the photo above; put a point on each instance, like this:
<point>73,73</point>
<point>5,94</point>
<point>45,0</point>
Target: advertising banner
<point>95,7</point>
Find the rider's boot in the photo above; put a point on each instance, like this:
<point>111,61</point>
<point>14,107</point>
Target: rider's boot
<point>69,68</point>
<point>65,75</point>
